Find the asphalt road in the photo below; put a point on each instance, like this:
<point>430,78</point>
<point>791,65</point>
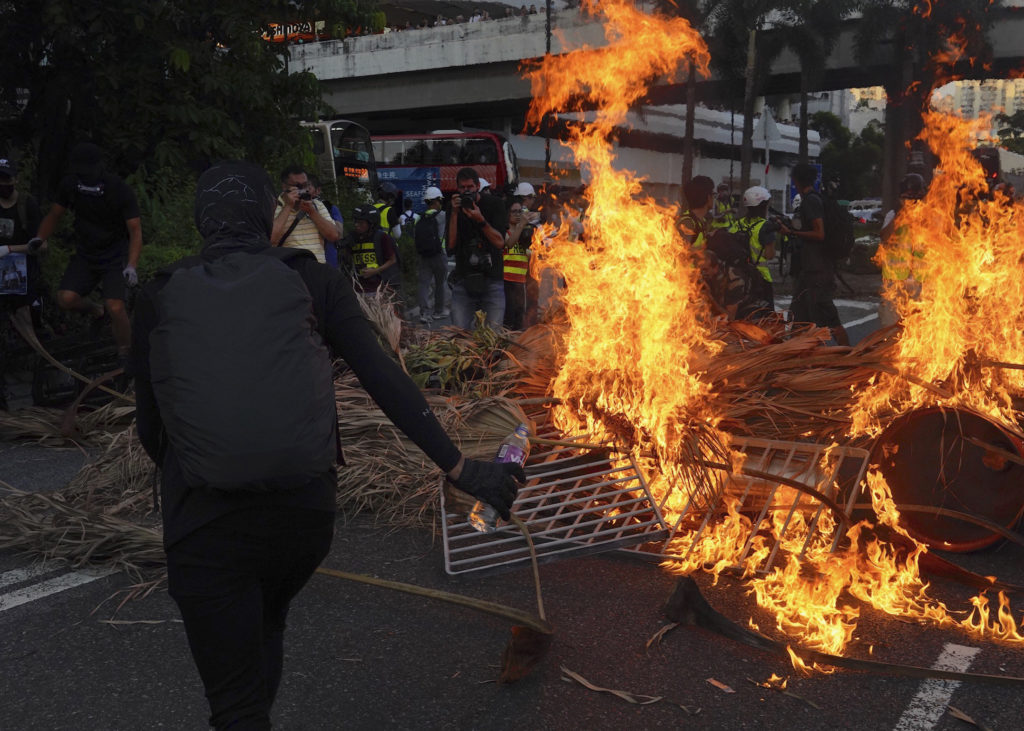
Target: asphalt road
<point>359,657</point>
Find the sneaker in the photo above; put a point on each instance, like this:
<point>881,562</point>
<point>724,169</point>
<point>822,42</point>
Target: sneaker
<point>442,315</point>
<point>424,320</point>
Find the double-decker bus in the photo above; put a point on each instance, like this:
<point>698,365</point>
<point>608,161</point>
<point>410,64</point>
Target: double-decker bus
<point>343,152</point>
<point>414,161</point>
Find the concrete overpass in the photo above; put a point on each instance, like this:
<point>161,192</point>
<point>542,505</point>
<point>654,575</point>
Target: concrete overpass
<point>470,72</point>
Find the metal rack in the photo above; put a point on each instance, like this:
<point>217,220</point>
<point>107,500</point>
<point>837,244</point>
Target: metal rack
<point>576,501</point>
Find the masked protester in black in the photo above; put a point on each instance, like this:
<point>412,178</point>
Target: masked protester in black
<point>236,558</point>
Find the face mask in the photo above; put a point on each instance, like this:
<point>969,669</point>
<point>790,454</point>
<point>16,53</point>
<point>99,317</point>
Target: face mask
<point>6,191</point>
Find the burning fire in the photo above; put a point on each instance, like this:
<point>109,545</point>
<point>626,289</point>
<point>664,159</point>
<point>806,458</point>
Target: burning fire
<point>640,337</point>
<point>962,245</point>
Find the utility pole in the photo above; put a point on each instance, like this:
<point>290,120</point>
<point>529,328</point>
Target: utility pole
<point>547,54</point>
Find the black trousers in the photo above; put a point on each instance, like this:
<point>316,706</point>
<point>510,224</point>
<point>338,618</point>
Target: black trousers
<point>233,580</point>
<point>515,304</point>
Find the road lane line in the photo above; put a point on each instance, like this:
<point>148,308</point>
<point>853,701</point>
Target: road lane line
<point>17,576</point>
<point>51,586</point>
<point>862,320</point>
<point>929,705</point>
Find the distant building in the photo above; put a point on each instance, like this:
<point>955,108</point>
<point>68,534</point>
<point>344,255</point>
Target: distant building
<point>856,108</point>
<point>972,98</point>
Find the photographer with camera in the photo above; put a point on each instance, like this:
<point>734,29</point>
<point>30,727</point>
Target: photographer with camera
<point>476,237</point>
<point>301,220</point>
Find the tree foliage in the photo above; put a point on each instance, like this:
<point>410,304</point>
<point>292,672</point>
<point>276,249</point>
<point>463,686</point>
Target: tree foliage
<point>159,84</point>
<point>856,160</point>
<point>1011,131</point>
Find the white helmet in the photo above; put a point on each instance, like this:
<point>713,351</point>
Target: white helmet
<point>524,189</point>
<point>756,196</point>
<point>432,194</point>
<point>484,185</point>
<point>797,200</point>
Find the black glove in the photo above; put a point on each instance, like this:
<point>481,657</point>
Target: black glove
<point>493,482</point>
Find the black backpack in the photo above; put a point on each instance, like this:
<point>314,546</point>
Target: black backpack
<point>838,242</point>
<point>427,236</point>
<point>241,376</point>
<point>733,249</point>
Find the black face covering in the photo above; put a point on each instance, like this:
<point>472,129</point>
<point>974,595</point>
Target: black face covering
<point>87,164</point>
<point>6,191</point>
<point>234,208</point>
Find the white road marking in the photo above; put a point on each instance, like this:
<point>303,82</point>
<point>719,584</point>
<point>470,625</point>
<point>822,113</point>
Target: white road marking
<point>929,705</point>
<point>17,576</point>
<point>861,320</point>
<point>783,302</point>
<point>51,586</point>
<point>856,304</point>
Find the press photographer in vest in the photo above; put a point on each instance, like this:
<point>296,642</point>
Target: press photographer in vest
<point>301,221</point>
<point>476,237</point>
<point>372,252</point>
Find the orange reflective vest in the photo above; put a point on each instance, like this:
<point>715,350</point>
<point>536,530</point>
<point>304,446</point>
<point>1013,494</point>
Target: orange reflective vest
<point>517,262</point>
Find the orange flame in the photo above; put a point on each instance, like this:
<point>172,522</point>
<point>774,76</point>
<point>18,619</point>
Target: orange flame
<point>632,352</point>
<point>639,340</point>
<point>962,247</point>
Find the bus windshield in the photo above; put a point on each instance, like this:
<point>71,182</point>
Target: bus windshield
<point>343,152</point>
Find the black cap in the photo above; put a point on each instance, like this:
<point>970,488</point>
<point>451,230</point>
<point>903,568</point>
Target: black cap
<point>8,168</point>
<point>86,159</point>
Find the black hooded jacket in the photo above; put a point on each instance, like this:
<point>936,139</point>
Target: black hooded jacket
<point>234,212</point>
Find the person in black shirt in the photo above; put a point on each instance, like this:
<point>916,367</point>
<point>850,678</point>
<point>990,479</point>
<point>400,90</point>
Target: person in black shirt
<point>108,241</point>
<point>815,284</point>
<point>19,267</point>
<point>236,558</point>
<point>476,236</point>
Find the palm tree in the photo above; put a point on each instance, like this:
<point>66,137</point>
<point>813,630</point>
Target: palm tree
<point>740,49</point>
<point>810,28</point>
<point>916,32</point>
<point>694,11</point>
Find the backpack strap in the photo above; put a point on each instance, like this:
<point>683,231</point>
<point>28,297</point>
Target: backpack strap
<point>298,217</point>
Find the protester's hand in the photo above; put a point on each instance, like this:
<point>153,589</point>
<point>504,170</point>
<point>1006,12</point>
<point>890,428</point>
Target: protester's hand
<point>131,277</point>
<point>4,251</point>
<point>34,245</point>
<point>307,206</point>
<point>367,272</point>
<point>495,483</point>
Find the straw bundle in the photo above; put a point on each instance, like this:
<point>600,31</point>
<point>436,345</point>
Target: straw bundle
<point>52,527</point>
<point>54,427</point>
<point>786,386</point>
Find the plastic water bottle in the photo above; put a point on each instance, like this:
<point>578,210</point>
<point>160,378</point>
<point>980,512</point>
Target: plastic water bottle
<point>514,448</point>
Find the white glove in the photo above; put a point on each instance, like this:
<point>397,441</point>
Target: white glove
<point>4,251</point>
<point>131,277</point>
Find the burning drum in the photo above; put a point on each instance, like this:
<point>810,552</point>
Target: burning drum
<point>957,460</point>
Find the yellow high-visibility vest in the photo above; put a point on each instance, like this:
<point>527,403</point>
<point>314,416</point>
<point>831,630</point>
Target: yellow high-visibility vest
<point>752,227</point>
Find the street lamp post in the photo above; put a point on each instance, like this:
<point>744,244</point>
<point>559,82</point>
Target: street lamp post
<point>547,52</point>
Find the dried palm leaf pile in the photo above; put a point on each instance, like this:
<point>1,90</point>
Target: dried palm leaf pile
<point>783,386</point>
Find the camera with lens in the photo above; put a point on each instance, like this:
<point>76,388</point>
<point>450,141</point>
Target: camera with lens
<point>467,200</point>
<point>479,260</point>
<point>305,195</point>
<point>780,218</point>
